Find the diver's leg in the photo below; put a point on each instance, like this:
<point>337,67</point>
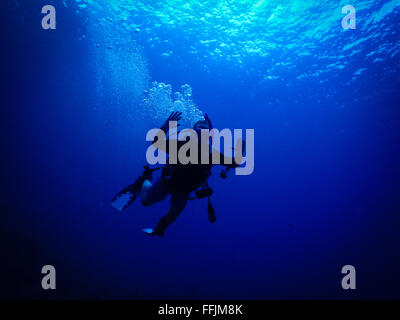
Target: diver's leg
<point>152,193</point>
<point>178,203</point>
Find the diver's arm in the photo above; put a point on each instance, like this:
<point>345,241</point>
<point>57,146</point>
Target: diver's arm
<point>174,116</point>
<point>221,156</point>
<point>230,162</point>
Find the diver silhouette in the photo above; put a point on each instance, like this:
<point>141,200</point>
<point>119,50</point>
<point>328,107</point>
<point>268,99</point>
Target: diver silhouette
<point>178,180</point>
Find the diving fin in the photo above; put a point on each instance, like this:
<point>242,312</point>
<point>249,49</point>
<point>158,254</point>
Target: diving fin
<point>148,231</point>
<point>126,196</point>
<point>152,232</point>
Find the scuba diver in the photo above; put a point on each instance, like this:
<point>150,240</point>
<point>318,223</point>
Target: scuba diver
<point>178,180</point>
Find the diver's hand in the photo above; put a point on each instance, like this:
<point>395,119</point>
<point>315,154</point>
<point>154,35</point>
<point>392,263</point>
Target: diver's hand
<point>174,116</point>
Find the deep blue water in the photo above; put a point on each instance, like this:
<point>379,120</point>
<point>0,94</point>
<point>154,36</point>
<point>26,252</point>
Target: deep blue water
<point>324,105</point>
